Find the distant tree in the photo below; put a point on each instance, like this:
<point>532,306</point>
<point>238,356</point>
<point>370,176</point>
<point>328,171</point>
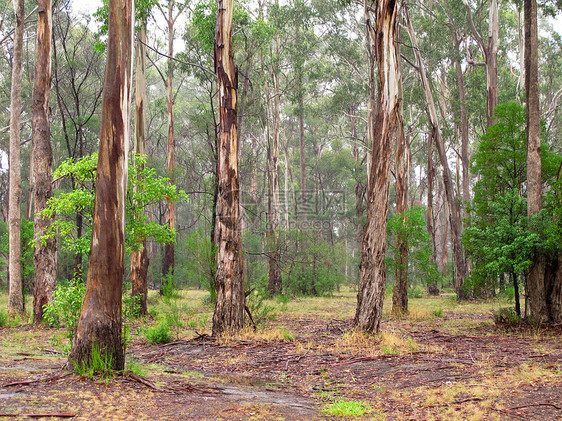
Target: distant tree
<point>100,320</point>
<point>15,301</point>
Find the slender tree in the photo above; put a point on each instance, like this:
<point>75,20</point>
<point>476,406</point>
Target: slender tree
<point>536,293</point>
<point>454,215</point>
<point>15,301</point>
<point>372,273</point>
<point>45,256</point>
<point>100,320</point>
<point>229,282</point>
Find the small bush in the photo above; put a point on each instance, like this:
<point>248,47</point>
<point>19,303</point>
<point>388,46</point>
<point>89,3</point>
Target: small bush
<point>160,333</point>
<point>343,408</point>
<point>64,309</point>
<point>506,316</point>
<point>3,319</point>
<point>438,312</point>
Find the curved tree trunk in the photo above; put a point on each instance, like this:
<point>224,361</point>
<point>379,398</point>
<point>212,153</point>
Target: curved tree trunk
<point>100,320</point>
<point>45,255</point>
<point>139,258</point>
<point>229,282</point>
<point>372,273</point>
<point>15,301</point>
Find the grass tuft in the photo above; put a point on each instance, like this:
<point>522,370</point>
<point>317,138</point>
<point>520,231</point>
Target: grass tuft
<point>343,408</point>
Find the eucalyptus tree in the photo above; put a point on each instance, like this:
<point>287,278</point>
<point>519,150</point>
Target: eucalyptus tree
<point>229,308</point>
<point>45,258</point>
<point>15,302</point>
<point>99,326</point>
<point>372,274</point>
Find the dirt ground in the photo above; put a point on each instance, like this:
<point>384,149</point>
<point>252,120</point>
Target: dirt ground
<point>451,366</point>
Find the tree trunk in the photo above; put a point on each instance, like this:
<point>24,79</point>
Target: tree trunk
<point>45,255</point>
<point>492,62</point>
<point>15,301</point>
<point>99,325</point>
<point>400,294</point>
<point>372,273</point>
<point>430,178</point>
<point>460,263</point>
<point>168,260</point>
<point>274,281</point>
<point>229,310</point>
<point>139,258</point>
<point>359,189</point>
<point>535,278</point>
<point>465,158</point>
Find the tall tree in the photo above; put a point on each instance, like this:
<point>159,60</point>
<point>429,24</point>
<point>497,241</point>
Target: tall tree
<point>454,215</point>
<point>100,320</point>
<point>45,256</point>
<point>229,282</point>
<point>536,293</point>
<point>170,17</point>
<point>139,258</point>
<point>372,273</point>
<point>15,301</point>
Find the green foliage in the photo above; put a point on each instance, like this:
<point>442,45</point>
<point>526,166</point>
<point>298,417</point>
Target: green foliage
<point>410,227</point>
<point>100,363</point>
<point>145,188</point>
<point>343,408</point>
<point>64,309</point>
<point>259,309</point>
<point>27,248</point>
<point>499,238</point>
<point>438,312</point>
<point>159,333</point>
<point>3,318</point>
<point>131,305</point>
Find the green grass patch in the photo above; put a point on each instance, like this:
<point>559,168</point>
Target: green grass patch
<point>343,408</point>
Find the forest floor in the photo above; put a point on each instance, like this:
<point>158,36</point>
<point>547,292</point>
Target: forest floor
<point>444,361</point>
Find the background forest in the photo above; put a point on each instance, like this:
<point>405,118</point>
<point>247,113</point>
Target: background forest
<point>304,90</point>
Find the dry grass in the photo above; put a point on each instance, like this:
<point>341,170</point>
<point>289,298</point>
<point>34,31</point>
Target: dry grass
<point>261,334</point>
<point>386,343</point>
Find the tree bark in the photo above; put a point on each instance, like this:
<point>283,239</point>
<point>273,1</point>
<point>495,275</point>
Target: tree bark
<point>274,281</point>
<point>460,263</point>
<point>15,300</point>
<point>99,325</point>
<point>372,273</point>
<point>492,62</point>
<point>45,255</point>
<point>139,258</point>
<point>168,260</point>
<point>400,293</point>
<point>536,293</point>
<point>229,282</point>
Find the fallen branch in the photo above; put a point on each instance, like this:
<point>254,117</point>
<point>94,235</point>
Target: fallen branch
<point>143,381</point>
<point>28,382</point>
<point>534,404</point>
<point>39,415</point>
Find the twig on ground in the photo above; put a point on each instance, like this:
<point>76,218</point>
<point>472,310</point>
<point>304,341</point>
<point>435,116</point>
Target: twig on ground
<point>44,379</point>
<point>39,415</point>
<point>534,404</point>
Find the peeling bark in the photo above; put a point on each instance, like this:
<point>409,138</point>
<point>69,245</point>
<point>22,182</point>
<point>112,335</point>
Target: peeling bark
<point>229,282</point>
<point>45,254</point>
<point>139,258</point>
<point>372,273</point>
<point>460,263</point>
<point>100,320</point>
<point>15,301</point>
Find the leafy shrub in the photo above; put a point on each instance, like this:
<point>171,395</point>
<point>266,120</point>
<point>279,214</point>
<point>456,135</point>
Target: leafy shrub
<point>159,333</point>
<point>64,309</point>
<point>3,318</point>
<point>259,309</point>
<point>343,408</point>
